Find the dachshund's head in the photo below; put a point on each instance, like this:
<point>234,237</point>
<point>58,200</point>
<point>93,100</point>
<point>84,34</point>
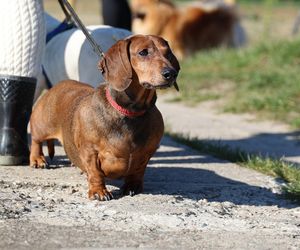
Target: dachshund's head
<point>146,59</point>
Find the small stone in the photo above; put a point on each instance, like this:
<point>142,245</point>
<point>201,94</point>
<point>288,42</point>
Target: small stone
<point>74,191</point>
<point>26,209</point>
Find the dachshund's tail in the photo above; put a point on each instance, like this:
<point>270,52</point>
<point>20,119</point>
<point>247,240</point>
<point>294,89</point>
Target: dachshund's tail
<point>50,145</point>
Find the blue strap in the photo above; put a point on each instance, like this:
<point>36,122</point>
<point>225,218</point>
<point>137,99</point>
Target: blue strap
<point>48,83</point>
<point>64,26</point>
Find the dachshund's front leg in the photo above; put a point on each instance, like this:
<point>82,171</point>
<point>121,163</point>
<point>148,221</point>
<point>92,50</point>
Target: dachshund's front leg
<point>96,180</point>
<point>134,183</point>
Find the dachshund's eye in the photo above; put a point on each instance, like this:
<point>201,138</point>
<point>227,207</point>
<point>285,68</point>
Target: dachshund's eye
<point>139,15</point>
<point>143,52</point>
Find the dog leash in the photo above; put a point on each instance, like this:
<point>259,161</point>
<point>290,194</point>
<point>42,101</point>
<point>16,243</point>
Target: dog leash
<point>70,13</point>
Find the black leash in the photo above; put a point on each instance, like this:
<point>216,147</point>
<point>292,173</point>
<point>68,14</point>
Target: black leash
<point>70,13</point>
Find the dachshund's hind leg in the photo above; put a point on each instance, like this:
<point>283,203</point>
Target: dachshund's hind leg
<point>37,158</point>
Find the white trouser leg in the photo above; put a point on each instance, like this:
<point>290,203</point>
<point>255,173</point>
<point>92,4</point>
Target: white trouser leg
<point>22,37</point>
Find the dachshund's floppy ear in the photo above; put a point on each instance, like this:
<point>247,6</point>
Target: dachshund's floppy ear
<point>174,62</point>
<point>115,66</point>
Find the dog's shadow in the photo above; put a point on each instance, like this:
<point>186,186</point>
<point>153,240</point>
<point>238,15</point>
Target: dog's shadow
<point>60,161</point>
<point>178,171</point>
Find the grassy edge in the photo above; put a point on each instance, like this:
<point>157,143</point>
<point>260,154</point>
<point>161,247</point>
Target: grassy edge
<point>273,167</point>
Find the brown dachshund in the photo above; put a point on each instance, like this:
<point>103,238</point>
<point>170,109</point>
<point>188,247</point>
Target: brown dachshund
<point>114,130</point>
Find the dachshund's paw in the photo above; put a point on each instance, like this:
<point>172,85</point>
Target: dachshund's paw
<point>100,194</point>
<point>38,162</point>
<point>132,189</point>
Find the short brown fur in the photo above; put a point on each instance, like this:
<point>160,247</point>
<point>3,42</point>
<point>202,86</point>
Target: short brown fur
<point>187,29</point>
<point>96,137</point>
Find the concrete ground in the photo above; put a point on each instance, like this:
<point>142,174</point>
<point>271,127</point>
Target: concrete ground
<point>191,201</point>
<point>243,131</point>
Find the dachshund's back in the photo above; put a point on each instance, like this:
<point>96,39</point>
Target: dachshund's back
<point>55,107</point>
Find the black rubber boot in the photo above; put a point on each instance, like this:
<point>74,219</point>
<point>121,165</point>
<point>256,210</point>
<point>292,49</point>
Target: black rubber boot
<point>16,97</point>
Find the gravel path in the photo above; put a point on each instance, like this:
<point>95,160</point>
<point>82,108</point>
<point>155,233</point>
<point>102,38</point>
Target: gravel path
<point>190,201</point>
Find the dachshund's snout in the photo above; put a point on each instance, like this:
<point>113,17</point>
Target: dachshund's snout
<point>169,74</point>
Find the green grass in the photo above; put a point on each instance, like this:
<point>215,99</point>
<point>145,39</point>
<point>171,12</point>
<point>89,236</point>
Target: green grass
<point>276,168</point>
<point>269,2</point>
<point>263,79</point>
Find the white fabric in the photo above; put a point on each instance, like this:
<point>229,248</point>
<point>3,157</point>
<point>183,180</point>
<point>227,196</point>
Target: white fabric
<point>22,37</point>
<point>70,56</point>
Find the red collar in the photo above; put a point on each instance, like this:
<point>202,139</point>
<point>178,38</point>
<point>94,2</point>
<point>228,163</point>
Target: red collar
<point>120,109</point>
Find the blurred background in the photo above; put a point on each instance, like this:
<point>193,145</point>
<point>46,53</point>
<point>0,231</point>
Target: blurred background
<point>88,11</point>
<point>272,19</point>
<point>262,77</point>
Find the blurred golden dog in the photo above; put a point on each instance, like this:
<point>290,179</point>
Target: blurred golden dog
<point>198,26</point>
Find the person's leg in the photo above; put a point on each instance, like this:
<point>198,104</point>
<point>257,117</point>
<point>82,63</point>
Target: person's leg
<point>116,13</point>
<point>21,46</point>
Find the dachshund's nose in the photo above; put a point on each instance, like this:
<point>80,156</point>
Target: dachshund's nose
<point>169,74</point>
